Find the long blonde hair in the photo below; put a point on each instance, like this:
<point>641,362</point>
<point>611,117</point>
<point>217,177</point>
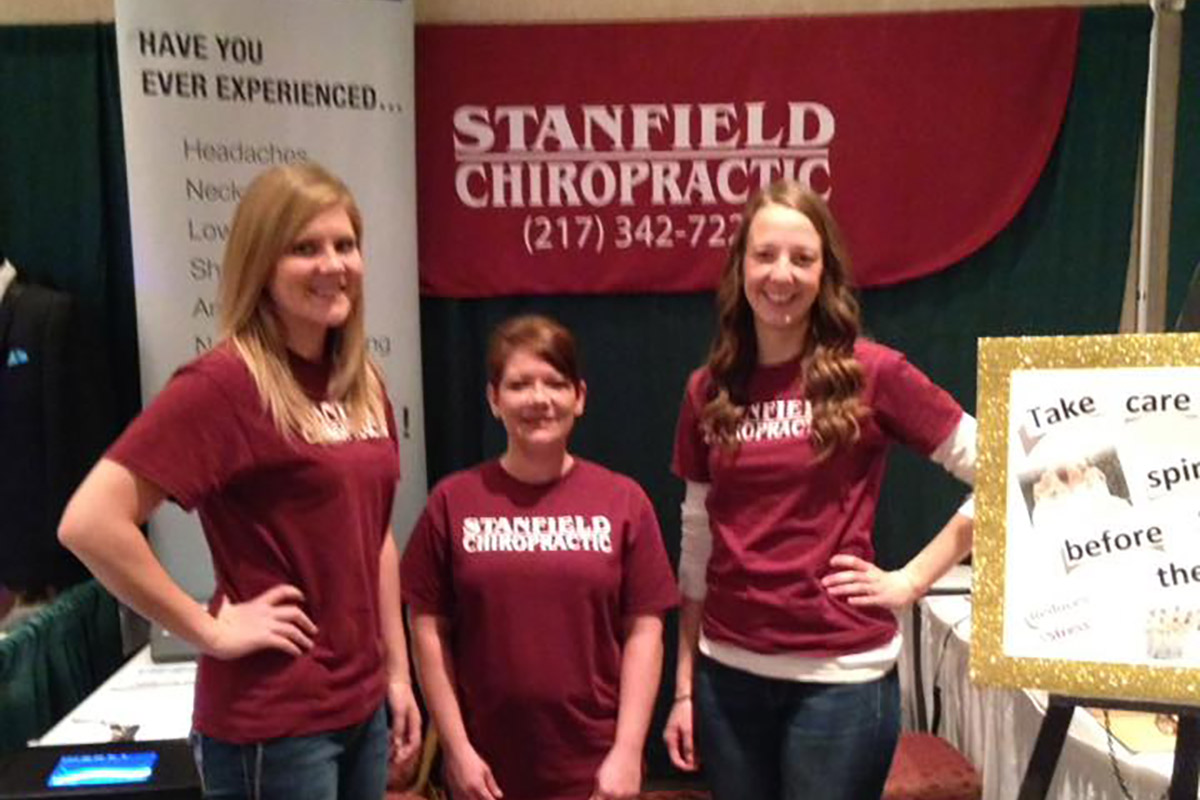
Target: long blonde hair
<point>274,209</point>
<point>833,378</point>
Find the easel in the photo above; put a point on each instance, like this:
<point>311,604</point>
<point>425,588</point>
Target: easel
<point>1053,733</point>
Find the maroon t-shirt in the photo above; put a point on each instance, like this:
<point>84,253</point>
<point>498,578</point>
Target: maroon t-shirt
<point>536,581</point>
<point>277,510</point>
<point>777,517</point>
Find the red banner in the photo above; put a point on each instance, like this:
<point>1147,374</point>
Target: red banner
<point>557,159</point>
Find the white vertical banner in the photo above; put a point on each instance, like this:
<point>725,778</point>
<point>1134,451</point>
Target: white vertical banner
<point>213,93</point>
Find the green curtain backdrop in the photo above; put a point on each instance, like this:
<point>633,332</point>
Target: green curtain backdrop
<point>53,660</point>
<point>1059,268</point>
<point>64,223</point>
<point>64,212</point>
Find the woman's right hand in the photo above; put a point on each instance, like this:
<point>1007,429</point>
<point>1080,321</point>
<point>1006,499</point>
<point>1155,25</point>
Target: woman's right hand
<point>679,736</point>
<point>470,777</point>
<point>272,621</point>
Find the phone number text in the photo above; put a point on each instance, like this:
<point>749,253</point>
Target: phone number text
<point>545,233</point>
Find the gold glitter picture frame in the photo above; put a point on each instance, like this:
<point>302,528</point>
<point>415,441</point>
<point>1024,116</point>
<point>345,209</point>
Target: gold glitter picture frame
<point>1087,521</point>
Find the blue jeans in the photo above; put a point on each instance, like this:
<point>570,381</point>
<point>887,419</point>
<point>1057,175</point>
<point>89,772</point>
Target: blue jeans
<point>347,764</point>
<point>766,739</point>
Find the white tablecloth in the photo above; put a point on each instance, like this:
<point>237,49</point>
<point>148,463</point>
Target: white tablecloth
<point>155,697</point>
<point>996,728</point>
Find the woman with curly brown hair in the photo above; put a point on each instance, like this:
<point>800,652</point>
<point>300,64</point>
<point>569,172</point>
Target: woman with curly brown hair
<point>782,440</point>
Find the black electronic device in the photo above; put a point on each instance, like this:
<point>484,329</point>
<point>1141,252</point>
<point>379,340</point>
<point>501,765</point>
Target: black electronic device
<point>152,770</point>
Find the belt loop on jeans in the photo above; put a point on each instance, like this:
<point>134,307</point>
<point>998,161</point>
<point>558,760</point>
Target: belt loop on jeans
<point>198,754</point>
<point>246,782</point>
<point>258,761</point>
<point>252,780</point>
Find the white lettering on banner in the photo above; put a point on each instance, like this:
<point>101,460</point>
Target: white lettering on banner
<point>681,154</point>
<point>567,533</point>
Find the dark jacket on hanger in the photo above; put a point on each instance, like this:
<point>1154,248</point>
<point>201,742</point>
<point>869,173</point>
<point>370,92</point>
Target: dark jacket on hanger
<point>40,462</point>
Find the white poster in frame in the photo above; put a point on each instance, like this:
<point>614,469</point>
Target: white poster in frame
<point>1087,548</point>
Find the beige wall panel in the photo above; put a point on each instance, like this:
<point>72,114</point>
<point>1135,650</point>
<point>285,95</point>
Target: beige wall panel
<point>435,11</point>
<point>33,12</point>
<point>25,12</point>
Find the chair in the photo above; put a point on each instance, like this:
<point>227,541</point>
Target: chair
<point>415,783</point>
<point>927,767</point>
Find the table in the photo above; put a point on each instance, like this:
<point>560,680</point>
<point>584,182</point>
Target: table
<point>157,698</point>
<point>996,728</point>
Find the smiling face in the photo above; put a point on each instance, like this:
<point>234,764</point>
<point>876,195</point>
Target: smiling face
<point>781,270</point>
<point>537,404</point>
<point>317,281</point>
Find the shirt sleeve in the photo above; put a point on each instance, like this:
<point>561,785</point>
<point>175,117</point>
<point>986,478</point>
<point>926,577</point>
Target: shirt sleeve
<point>910,407</point>
<point>189,441</point>
<point>957,455</point>
<point>695,541</point>
<point>647,582</point>
<point>426,582</point>
<point>690,457</point>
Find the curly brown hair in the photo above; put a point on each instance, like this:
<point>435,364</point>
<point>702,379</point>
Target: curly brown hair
<point>832,377</point>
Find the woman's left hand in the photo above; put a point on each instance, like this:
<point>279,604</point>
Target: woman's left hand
<point>620,776</point>
<point>406,722</point>
<point>864,584</point>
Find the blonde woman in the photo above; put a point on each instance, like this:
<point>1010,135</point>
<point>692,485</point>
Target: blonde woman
<point>282,439</point>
